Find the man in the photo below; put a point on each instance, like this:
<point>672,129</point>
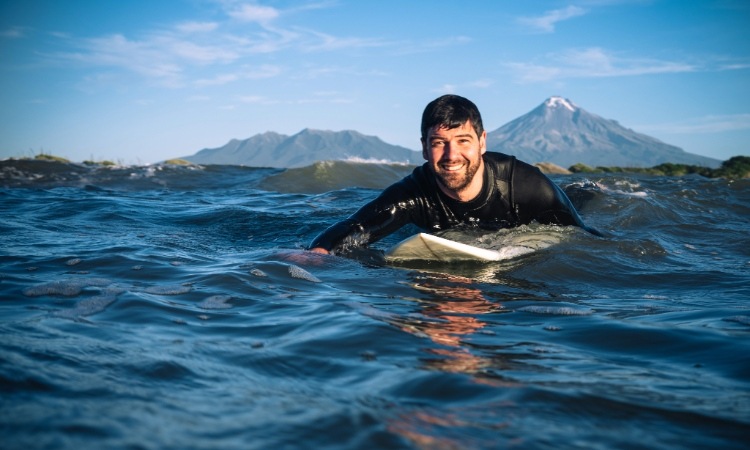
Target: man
<point>459,185</point>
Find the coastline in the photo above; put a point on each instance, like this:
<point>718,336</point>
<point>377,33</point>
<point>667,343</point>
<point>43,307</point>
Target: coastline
<point>736,167</point>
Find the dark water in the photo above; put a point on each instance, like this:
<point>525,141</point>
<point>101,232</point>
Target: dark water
<point>173,308</point>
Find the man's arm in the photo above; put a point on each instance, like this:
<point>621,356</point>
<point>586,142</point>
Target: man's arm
<point>387,213</point>
<point>334,237</point>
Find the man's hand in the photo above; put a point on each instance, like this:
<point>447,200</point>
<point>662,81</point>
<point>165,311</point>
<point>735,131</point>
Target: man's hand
<point>320,250</point>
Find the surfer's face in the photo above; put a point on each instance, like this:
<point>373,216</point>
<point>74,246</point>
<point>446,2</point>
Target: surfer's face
<point>455,157</point>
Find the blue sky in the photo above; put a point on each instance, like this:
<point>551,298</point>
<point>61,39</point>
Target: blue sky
<point>142,81</point>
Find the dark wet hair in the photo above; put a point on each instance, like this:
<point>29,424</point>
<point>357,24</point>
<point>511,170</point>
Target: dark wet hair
<point>451,111</point>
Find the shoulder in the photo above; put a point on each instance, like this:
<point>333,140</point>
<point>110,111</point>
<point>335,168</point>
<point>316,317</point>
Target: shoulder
<point>419,179</point>
<point>410,186</point>
<point>528,182</point>
<point>498,159</point>
<point>514,168</point>
<point>531,185</point>
<point>401,197</point>
<point>501,166</point>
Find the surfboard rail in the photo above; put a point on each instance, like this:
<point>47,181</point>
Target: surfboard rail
<point>424,246</point>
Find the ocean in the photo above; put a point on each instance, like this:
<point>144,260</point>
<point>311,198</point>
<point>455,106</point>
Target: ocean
<point>174,307</point>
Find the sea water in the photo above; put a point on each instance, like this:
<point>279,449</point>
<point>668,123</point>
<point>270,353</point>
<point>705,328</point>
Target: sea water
<point>171,307</point>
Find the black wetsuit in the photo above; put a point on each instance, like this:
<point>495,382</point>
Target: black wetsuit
<point>513,193</point>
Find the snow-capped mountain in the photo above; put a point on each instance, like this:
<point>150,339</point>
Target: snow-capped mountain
<point>563,133</point>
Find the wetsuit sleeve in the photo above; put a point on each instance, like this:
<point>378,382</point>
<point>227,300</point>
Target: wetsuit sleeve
<point>537,198</point>
<point>391,210</point>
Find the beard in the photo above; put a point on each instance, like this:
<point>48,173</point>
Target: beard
<point>457,181</point>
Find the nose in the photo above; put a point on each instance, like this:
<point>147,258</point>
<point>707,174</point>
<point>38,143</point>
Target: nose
<point>450,151</point>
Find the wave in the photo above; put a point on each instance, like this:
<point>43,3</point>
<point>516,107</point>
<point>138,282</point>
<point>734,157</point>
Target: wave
<point>324,176</point>
<point>49,174</point>
<point>319,177</point>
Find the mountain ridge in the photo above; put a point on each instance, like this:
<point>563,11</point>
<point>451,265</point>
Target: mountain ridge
<point>561,132</point>
<point>271,149</point>
<point>556,131</point>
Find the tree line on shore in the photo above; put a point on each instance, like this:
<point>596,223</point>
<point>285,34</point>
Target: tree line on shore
<point>734,167</point>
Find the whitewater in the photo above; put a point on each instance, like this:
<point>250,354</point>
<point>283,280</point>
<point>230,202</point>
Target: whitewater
<point>174,307</point>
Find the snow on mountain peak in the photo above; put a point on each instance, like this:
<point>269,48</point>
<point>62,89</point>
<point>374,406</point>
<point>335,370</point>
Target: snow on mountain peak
<point>554,102</point>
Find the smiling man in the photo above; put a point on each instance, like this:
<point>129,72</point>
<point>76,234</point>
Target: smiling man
<point>461,184</point>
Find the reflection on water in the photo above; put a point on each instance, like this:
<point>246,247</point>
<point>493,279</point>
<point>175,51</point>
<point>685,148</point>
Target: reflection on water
<point>450,308</point>
<point>450,311</point>
<point>450,316</point>
<point>436,429</point>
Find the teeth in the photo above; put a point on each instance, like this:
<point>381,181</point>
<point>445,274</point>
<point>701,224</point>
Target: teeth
<point>452,168</point>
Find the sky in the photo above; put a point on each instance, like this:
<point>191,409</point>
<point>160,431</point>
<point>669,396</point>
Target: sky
<point>142,81</point>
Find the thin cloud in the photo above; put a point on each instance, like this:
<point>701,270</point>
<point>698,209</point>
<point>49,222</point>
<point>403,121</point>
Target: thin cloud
<point>332,97</point>
<point>265,14</point>
<point>197,27</point>
<point>217,80</point>
<point>327,42</point>
<point>446,89</point>
<point>313,6</point>
<point>546,23</point>
<point>264,71</point>
<point>257,100</point>
<point>163,58</point>
<point>701,125</point>
<point>737,66</point>
<point>13,33</point>
<point>593,63</point>
<point>254,13</point>
<point>483,83</point>
<point>198,98</point>
<point>140,57</point>
<point>318,99</point>
<point>186,53</point>
<point>197,53</point>
<point>310,73</point>
<point>408,48</point>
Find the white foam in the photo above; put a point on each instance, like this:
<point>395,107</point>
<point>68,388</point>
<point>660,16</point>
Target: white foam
<point>745,320</point>
<point>556,310</point>
<point>93,305</point>
<point>216,302</point>
<point>258,273</point>
<point>67,288</point>
<point>357,159</point>
<point>298,272</point>
<point>168,289</point>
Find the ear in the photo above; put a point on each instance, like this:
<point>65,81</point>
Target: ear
<point>483,142</point>
<point>424,149</point>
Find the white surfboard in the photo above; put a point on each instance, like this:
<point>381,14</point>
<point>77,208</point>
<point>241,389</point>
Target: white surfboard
<point>428,247</point>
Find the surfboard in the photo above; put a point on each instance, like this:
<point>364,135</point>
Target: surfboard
<point>428,247</point>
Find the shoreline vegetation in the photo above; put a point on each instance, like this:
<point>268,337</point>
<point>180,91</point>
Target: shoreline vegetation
<point>736,167</point>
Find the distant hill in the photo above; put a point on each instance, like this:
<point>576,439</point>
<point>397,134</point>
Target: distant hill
<point>562,133</point>
<point>303,149</point>
<point>557,132</point>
